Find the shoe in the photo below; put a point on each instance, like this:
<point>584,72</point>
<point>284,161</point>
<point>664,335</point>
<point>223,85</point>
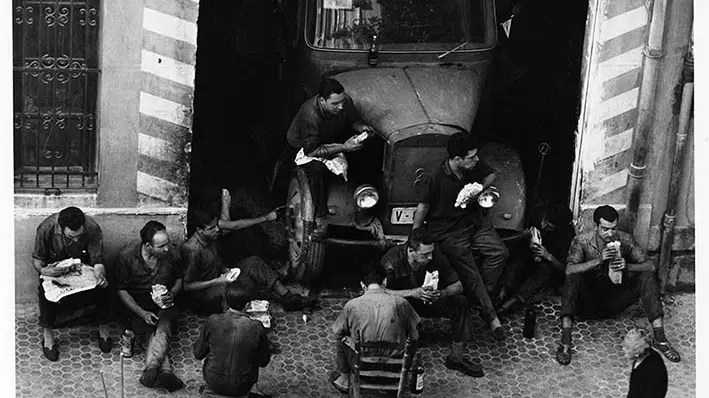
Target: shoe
<point>563,354</point>
<point>464,366</point>
<point>333,378</point>
<point>50,353</point>
<point>666,349</point>
<point>170,381</point>
<point>104,344</point>
<point>149,377</point>
<point>499,334</point>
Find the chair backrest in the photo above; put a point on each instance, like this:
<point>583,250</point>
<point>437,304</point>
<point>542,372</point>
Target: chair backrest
<point>381,365</point>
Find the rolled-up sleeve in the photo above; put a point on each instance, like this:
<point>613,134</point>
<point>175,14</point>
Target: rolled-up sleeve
<point>122,272</point>
<point>424,189</point>
<point>95,244</point>
<point>191,260</point>
<point>310,132</point>
<point>42,241</point>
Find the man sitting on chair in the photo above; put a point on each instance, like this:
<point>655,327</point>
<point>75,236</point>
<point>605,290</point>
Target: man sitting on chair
<point>406,266</point>
<point>377,315</point>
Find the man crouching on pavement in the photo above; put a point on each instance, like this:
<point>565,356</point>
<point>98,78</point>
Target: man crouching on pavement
<point>406,266</point>
<point>148,279</point>
<point>377,316</point>
<point>234,345</point>
<point>606,272</point>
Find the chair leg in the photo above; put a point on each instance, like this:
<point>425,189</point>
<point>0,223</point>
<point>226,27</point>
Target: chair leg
<point>354,385</point>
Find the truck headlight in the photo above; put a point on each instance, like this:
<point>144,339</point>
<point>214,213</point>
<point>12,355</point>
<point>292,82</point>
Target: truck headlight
<point>366,196</point>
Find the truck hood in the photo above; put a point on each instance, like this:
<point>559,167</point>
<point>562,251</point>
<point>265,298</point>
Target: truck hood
<point>392,99</point>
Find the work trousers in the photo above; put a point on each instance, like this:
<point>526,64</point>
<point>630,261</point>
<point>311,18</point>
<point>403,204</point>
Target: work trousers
<point>594,296</point>
<point>456,308</point>
<point>257,277</point>
<point>48,310</point>
<point>480,281</point>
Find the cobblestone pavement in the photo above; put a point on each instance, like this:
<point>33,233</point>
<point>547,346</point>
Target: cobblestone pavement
<point>515,368</point>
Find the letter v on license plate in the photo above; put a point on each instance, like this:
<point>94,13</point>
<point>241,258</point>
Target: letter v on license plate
<point>402,215</point>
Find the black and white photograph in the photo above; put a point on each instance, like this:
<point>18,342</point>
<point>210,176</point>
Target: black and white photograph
<point>352,198</point>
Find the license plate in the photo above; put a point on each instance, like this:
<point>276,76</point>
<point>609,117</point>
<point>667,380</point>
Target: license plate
<point>402,215</point>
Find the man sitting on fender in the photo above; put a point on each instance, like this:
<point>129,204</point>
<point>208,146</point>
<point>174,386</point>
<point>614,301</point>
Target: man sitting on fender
<point>459,230</point>
<point>589,290</point>
<point>406,266</point>
<point>206,275</point>
<point>324,126</point>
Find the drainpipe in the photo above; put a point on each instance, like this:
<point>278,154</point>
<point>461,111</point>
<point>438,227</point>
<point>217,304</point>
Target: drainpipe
<point>646,109</point>
<point>676,172</point>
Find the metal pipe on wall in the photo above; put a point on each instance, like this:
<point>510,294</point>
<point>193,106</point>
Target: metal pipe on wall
<point>676,171</point>
<point>637,170</point>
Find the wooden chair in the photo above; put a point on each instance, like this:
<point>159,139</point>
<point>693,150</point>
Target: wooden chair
<point>375,369</point>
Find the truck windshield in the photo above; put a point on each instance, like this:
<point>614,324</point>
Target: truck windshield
<point>400,25</point>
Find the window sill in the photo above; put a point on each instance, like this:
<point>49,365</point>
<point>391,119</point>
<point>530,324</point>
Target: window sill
<point>42,201</point>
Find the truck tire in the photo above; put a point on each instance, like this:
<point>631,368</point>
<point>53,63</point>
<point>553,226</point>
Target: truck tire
<point>307,256</point>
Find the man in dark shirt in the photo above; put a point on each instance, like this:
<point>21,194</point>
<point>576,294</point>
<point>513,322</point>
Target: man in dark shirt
<point>376,316</point>
<point>460,230</point>
<point>206,275</point>
<point>589,291</point>
<point>141,266</point>
<point>324,126</point>
<point>234,345</point>
<point>406,267</point>
<point>70,234</point>
<point>543,264</point>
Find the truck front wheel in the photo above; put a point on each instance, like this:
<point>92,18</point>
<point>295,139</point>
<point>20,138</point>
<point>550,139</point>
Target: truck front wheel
<point>307,256</point>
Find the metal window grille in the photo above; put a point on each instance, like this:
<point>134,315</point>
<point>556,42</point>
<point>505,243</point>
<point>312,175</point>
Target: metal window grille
<point>55,71</point>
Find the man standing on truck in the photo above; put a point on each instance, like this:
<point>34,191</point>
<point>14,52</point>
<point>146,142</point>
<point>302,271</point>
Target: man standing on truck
<point>324,127</point>
<point>460,229</point>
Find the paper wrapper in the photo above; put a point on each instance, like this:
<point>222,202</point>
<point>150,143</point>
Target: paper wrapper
<point>615,276</point>
<point>337,165</point>
<point>71,284</point>
<point>466,194</point>
<point>258,310</point>
<point>431,280</point>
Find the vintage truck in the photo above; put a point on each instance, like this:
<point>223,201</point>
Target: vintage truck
<point>419,81</point>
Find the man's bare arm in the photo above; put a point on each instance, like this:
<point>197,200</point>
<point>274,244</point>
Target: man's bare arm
<point>233,225</point>
<point>420,215</point>
<point>130,302</point>
<point>452,289</point>
<point>43,269</point>
<point>487,181</point>
<point>202,285</point>
<point>582,267</point>
<point>646,265</point>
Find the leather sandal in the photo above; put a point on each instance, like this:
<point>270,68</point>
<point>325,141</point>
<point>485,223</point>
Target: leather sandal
<point>666,349</point>
<point>563,354</point>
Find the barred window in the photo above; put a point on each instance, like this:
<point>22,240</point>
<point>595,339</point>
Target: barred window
<point>55,72</point>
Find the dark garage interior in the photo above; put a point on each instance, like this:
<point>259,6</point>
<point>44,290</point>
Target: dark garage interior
<point>242,106</point>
